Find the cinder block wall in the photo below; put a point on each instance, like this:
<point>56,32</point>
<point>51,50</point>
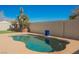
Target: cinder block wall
<point>72,29</point>
<point>55,28</point>
<point>68,29</point>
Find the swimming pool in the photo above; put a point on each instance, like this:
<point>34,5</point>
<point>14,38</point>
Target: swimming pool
<point>40,43</point>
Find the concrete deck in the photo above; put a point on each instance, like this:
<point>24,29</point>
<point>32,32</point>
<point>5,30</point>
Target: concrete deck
<point>9,46</point>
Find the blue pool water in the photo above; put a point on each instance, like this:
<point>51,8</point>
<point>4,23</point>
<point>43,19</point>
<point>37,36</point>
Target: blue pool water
<point>38,43</point>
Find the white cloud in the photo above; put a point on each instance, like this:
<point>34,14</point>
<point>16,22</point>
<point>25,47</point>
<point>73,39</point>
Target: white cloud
<point>3,17</point>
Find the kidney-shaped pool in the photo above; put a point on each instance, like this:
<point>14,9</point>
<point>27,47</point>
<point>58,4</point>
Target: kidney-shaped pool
<point>40,43</point>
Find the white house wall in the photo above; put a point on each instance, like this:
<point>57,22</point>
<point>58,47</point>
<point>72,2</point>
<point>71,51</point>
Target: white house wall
<point>4,25</point>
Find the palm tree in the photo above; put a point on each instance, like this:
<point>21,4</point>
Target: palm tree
<point>23,21</point>
<point>75,14</point>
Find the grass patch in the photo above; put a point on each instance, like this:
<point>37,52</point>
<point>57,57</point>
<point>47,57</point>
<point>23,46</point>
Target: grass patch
<point>3,32</point>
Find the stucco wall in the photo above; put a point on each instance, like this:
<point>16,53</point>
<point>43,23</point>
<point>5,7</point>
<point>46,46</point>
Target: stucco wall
<point>68,29</point>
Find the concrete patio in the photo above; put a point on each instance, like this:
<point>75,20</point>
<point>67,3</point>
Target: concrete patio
<point>9,46</point>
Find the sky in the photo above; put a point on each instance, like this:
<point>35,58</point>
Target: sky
<point>38,13</point>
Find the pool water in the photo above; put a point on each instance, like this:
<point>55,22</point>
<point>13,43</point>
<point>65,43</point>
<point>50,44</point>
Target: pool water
<point>41,44</point>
